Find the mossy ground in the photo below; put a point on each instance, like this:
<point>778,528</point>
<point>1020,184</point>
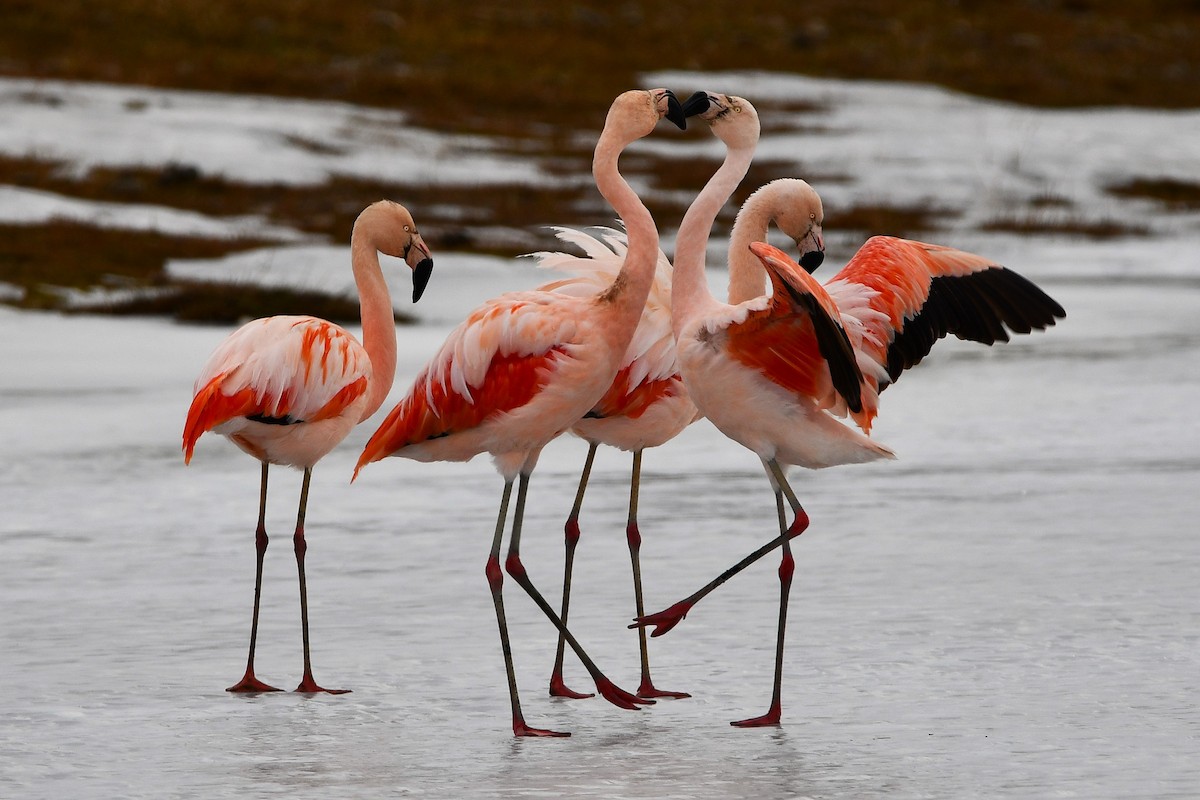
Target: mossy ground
<point>536,72</point>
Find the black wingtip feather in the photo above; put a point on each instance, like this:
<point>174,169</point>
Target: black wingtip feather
<point>982,307</point>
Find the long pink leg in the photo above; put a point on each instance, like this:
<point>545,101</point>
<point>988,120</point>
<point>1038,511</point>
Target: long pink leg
<point>571,529</point>
<point>495,578</point>
<point>249,683</point>
<point>609,690</point>
<point>307,684</point>
<point>634,537</point>
<point>668,618</point>
<point>786,569</point>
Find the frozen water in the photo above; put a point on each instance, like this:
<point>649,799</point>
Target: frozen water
<point>1008,610</point>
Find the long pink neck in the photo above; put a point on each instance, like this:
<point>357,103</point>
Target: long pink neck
<point>689,286</point>
<point>627,294</point>
<point>747,276</point>
<point>378,317</point>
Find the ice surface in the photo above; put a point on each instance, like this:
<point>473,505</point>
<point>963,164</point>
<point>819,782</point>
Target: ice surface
<point>1007,611</point>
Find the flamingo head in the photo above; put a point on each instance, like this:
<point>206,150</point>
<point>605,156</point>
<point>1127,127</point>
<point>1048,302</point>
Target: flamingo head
<point>733,119</point>
<point>396,235</point>
<point>635,113</point>
<point>799,214</point>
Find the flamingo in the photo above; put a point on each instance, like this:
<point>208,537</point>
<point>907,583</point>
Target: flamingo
<point>287,389</point>
<point>525,366</point>
<point>646,405</point>
<point>773,373</point>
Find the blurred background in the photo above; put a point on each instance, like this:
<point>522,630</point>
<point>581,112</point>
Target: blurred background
<point>535,79</point>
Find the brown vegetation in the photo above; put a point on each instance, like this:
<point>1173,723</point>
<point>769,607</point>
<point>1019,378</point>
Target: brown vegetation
<point>537,73</point>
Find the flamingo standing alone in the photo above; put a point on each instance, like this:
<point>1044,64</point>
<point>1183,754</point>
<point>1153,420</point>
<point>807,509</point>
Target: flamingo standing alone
<point>287,389</point>
<point>525,366</point>
<point>771,373</point>
<point>646,405</point>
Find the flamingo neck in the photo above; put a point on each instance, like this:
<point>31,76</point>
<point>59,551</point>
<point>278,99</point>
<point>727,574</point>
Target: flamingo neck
<point>689,285</point>
<point>378,318</point>
<point>628,292</point>
<point>747,276</point>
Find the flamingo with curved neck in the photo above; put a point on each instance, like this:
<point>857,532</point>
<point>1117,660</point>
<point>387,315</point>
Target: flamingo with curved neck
<point>773,372</point>
<point>525,366</point>
<point>288,389</point>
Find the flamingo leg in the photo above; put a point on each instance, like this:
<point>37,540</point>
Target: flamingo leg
<point>571,529</point>
<point>307,683</point>
<point>634,537</point>
<point>496,582</point>
<point>786,569</point>
<point>609,690</point>
<point>249,683</point>
<point>668,618</point>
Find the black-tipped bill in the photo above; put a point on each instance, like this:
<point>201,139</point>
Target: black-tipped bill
<point>696,104</point>
<point>675,111</point>
<point>811,260</point>
<point>421,273</point>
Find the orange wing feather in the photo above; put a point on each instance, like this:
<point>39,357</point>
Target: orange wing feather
<point>797,341</point>
<point>433,409</point>
<point>624,400</point>
<point>211,408</point>
<point>784,349</point>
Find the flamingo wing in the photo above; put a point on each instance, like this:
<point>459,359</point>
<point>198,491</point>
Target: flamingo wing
<point>916,293</point>
<point>282,370</point>
<point>795,336</point>
<point>496,360</point>
<point>649,370</point>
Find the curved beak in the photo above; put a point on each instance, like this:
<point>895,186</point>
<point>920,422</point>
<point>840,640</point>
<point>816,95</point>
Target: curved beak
<point>675,111</point>
<point>421,262</point>
<point>812,250</point>
<point>811,260</point>
<point>696,104</point>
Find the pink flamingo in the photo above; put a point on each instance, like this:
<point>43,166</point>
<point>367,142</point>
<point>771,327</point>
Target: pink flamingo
<point>287,389</point>
<point>772,373</point>
<point>525,366</point>
<point>646,405</point>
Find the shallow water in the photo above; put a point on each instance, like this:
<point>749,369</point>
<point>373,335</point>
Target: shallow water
<point>1008,610</point>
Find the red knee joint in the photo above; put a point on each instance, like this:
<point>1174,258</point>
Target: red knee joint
<point>799,525</point>
<point>571,529</point>
<point>494,575</point>
<point>300,544</point>
<point>633,535</point>
<point>514,566</point>
<point>787,567</point>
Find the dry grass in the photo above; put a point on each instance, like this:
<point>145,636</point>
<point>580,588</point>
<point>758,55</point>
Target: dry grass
<point>1174,194</point>
<point>1088,229</point>
<point>538,72</point>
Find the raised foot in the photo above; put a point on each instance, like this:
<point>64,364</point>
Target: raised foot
<point>521,729</point>
<point>309,686</point>
<point>619,697</point>
<point>249,683</point>
<point>767,720</point>
<point>560,689</point>
<point>664,620</point>
<point>648,690</point>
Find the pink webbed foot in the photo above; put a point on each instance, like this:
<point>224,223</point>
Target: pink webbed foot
<point>769,719</point>
<point>309,686</point>
<point>648,690</point>
<point>521,729</point>
<point>560,689</point>
<point>619,697</point>
<point>249,683</point>
<point>664,620</point>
